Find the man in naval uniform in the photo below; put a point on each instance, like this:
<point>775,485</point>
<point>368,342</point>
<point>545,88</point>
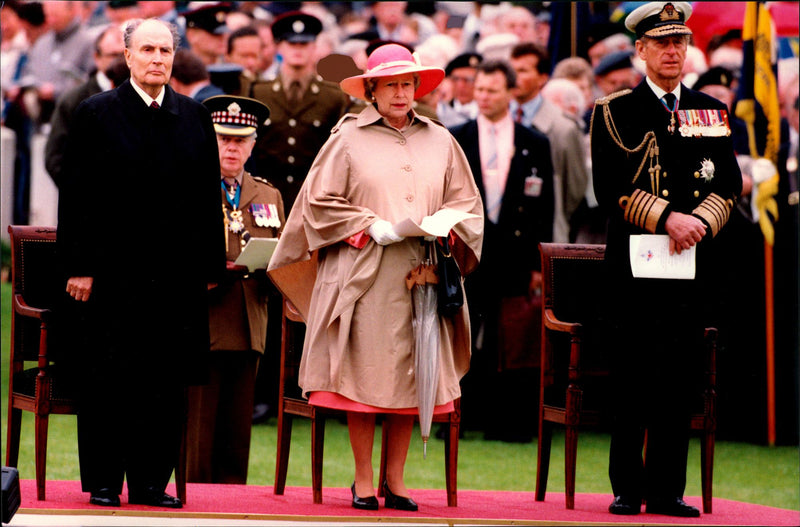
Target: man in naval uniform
<point>663,164</point>
<point>303,107</point>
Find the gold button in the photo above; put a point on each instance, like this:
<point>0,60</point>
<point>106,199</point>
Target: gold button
<point>696,193</point>
<point>696,175</point>
<point>517,233</point>
<point>665,193</point>
<point>664,174</point>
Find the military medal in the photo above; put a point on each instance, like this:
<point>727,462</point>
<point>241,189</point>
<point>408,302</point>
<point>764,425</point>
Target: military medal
<point>260,214</point>
<point>235,224</point>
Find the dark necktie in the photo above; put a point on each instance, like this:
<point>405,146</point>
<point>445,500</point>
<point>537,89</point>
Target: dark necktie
<point>669,99</point>
<point>155,105</point>
<point>518,117</point>
<point>294,92</point>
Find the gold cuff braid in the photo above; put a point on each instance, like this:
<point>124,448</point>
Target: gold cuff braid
<point>643,209</point>
<point>715,211</point>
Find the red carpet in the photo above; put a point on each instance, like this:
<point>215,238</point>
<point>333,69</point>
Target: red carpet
<point>484,507</point>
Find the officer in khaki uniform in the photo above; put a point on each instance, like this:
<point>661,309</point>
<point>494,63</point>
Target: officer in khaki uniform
<point>303,107</point>
<point>220,412</point>
<point>664,164</point>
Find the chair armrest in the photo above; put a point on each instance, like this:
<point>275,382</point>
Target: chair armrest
<point>553,323</point>
<point>22,308</point>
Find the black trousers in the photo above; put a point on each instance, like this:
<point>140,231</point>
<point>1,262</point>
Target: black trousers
<point>657,364</point>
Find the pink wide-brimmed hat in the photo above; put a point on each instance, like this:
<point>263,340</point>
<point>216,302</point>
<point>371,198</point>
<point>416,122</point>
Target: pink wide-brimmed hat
<point>389,60</point>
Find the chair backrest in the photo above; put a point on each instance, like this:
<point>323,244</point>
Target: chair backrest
<point>36,279</point>
<point>573,285</point>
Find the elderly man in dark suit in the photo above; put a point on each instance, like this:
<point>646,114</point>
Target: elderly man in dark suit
<point>514,172</point>
<point>141,162</point>
<point>663,164</point>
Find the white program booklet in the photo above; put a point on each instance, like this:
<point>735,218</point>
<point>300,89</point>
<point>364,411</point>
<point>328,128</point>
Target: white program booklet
<point>650,258</point>
<point>256,253</point>
<point>438,224</point>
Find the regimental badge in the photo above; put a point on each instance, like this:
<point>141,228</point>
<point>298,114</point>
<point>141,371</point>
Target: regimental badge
<point>703,123</point>
<point>298,26</point>
<point>669,13</point>
<point>234,109</point>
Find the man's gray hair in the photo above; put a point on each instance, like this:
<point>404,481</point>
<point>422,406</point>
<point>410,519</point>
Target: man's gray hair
<point>134,23</point>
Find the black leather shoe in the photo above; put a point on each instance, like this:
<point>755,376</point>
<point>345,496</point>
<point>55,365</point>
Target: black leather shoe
<point>392,501</point>
<point>367,504</point>
<point>672,507</point>
<point>155,498</point>
<point>105,497</point>
<point>625,506</point>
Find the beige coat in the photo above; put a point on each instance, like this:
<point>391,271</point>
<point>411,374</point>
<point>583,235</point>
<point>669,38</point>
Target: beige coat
<point>359,342</point>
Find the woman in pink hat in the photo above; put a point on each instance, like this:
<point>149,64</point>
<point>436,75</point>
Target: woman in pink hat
<point>378,168</point>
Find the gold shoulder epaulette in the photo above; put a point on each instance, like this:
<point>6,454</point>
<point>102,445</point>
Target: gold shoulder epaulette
<point>610,97</point>
<point>345,117</point>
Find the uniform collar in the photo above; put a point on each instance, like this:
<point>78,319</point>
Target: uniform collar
<point>661,92</point>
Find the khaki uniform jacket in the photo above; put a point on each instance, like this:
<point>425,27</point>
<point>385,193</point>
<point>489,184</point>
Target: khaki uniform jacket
<point>359,340</point>
<point>237,311</point>
<point>293,134</point>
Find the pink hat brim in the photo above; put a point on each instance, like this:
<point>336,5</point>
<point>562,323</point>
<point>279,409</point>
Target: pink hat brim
<point>429,79</point>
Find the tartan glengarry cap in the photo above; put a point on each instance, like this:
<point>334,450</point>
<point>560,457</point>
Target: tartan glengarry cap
<point>660,19</point>
<point>234,115</point>
<point>296,26</point>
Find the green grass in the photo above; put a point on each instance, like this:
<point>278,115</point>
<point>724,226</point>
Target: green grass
<point>743,472</point>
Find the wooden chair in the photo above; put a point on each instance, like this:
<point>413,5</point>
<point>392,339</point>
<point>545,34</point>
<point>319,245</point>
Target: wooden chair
<point>39,389</point>
<point>43,389</point>
<point>574,375</point>
<point>291,403</point>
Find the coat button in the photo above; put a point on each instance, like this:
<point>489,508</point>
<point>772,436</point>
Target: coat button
<point>292,122</point>
<point>517,233</point>
<point>290,179</point>
<point>291,141</point>
<point>696,175</point>
<point>665,193</point>
<point>317,123</point>
<point>409,198</point>
<point>407,168</point>
<point>696,193</point>
<point>290,159</point>
<point>402,141</point>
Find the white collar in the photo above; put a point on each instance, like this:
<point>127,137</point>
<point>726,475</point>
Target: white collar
<point>146,98</point>
<point>661,92</point>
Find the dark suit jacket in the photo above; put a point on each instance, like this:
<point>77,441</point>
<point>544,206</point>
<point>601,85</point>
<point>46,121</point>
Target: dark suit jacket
<point>139,211</point>
<point>511,247</point>
<point>59,125</point>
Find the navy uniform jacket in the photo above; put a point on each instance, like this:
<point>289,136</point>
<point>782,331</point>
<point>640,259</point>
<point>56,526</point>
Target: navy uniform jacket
<point>626,126</point>
<point>139,211</point>
<point>511,247</point>
<point>293,134</point>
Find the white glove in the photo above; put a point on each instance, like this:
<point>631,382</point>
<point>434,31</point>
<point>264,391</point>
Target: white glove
<point>383,233</point>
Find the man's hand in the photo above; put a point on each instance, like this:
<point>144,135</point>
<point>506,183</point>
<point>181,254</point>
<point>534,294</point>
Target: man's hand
<point>80,287</point>
<point>684,231</point>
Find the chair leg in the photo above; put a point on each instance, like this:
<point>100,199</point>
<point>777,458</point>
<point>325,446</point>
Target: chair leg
<point>180,467</point>
<point>707,468</point>
<point>451,462</point>
<point>570,458</point>
<point>41,422</point>
<point>543,458</point>
<point>282,457</point>
<point>12,436</point>
<point>317,444</point>
<point>384,460</point>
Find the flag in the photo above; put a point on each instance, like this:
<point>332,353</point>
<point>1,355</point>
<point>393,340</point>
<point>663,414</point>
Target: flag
<point>758,107</point>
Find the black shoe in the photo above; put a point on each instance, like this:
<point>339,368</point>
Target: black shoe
<point>392,501</point>
<point>672,507</point>
<point>105,497</point>
<point>625,506</point>
<point>368,504</point>
<point>155,498</point>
